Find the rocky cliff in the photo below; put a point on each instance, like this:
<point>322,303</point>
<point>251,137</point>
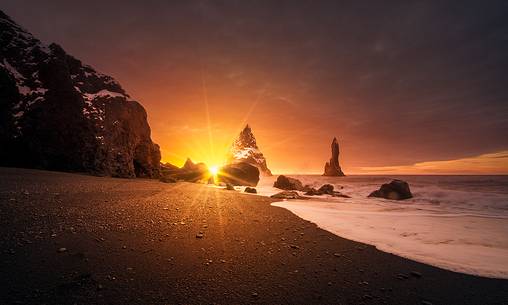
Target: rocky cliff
<point>245,149</point>
<point>332,167</point>
<point>57,113</point>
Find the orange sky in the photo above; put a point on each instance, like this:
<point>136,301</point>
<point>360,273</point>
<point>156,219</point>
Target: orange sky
<point>403,86</point>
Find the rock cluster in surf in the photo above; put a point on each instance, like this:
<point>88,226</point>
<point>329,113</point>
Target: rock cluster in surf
<point>59,114</point>
<point>293,184</point>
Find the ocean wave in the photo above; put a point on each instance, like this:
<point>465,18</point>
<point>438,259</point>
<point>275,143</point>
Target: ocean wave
<point>449,223</point>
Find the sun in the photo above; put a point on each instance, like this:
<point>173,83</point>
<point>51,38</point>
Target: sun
<point>214,170</point>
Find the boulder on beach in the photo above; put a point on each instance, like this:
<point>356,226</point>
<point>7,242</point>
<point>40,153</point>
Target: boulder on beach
<point>395,190</point>
<point>241,173</point>
<point>250,190</point>
<point>288,195</point>
<point>332,168</point>
<point>288,183</point>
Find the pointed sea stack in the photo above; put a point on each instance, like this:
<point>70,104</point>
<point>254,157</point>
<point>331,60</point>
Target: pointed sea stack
<point>245,149</point>
<point>332,168</point>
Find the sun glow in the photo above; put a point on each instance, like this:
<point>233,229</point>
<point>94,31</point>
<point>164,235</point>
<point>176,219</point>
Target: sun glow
<point>214,170</point>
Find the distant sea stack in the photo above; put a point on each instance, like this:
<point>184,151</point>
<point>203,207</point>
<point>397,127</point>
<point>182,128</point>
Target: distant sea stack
<point>332,168</point>
<point>59,114</point>
<point>245,149</point>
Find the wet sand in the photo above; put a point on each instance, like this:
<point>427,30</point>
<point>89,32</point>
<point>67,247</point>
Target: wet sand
<point>76,239</point>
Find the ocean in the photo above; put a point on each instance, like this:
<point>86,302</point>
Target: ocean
<point>458,223</point>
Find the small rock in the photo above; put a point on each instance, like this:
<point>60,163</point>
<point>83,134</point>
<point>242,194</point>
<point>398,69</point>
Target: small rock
<point>200,235</point>
<point>254,294</point>
<point>401,276</point>
<point>416,274</point>
<point>62,250</point>
<point>288,195</point>
<point>339,194</point>
<point>367,297</point>
<point>250,190</point>
<point>313,192</point>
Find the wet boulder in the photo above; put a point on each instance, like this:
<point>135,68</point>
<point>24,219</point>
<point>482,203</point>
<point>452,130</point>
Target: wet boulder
<point>395,190</point>
<point>288,183</point>
<point>326,189</point>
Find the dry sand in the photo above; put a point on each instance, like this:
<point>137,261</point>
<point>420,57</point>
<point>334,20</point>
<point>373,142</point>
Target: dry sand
<point>77,239</point>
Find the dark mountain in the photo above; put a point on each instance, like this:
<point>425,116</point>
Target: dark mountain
<point>57,113</point>
<point>245,149</point>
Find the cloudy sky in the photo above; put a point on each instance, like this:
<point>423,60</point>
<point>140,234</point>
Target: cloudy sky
<point>402,85</point>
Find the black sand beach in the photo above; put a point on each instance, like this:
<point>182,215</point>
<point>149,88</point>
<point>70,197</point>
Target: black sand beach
<point>77,239</point>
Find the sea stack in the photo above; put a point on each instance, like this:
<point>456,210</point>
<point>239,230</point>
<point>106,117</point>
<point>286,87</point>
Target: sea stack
<point>332,168</point>
<point>245,149</point>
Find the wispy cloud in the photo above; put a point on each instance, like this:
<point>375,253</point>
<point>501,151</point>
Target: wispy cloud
<point>491,163</point>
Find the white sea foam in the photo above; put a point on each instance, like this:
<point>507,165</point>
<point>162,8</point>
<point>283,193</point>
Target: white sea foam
<point>459,223</point>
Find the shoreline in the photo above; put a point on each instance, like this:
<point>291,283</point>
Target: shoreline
<point>70,238</point>
<point>404,229</point>
<point>496,271</point>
